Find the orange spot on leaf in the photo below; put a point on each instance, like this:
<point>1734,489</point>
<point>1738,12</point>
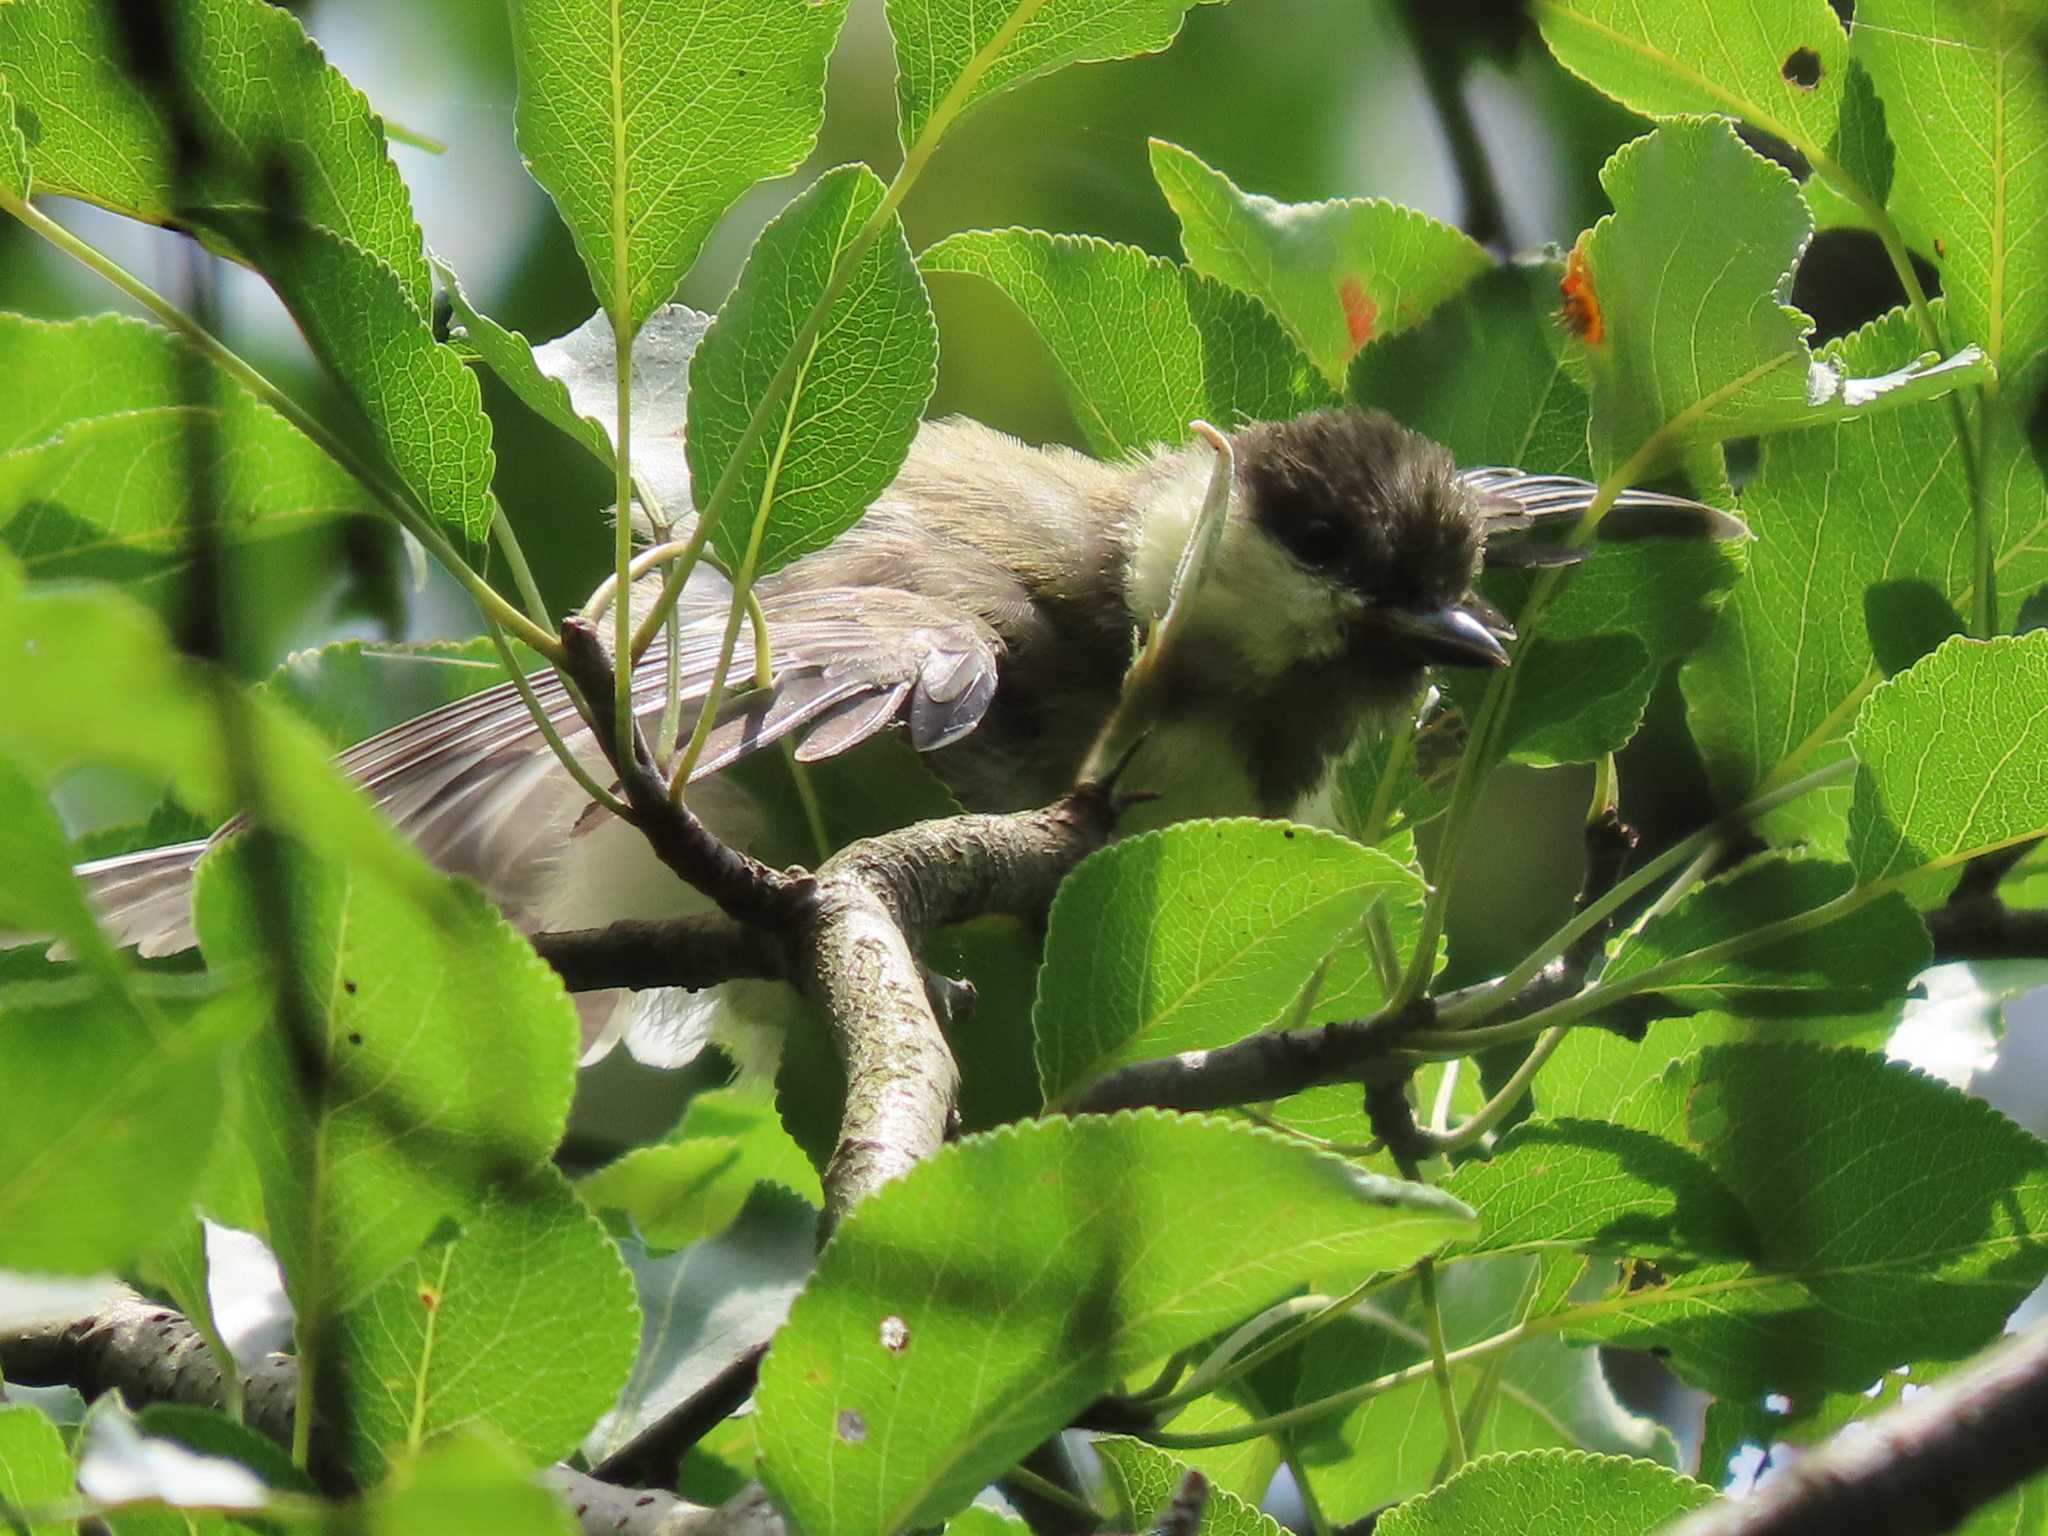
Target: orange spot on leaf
<point>1581,312</point>
<point>1361,315</point>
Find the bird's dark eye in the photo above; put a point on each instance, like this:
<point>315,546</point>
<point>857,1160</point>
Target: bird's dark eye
<point>1316,541</point>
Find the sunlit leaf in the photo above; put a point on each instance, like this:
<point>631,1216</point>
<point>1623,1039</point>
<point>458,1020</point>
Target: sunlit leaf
<point>645,121</point>
<point>1549,1493</point>
<point>1338,275</point>
<point>523,1321</point>
<point>1966,100</point>
<point>1198,935</point>
<point>839,426</point>
<point>1986,703</point>
<point>970,1308</point>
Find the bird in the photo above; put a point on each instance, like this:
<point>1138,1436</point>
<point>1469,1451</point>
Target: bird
<point>988,604</point>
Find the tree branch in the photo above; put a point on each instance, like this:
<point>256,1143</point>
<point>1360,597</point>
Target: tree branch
<point>150,1353</point>
<point>1985,928</point>
<point>688,952</point>
<point>856,946</point>
<point>745,889</point>
<point>1916,1468</point>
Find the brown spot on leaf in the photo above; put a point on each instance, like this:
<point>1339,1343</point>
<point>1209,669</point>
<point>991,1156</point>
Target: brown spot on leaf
<point>430,1298</point>
<point>1802,68</point>
<point>1361,315</point>
<point>1581,311</point>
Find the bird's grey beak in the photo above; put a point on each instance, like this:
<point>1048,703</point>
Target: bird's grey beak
<point>1454,636</point>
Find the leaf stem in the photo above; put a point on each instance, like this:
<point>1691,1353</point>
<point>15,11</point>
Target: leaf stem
<point>1483,1005</point>
<point>397,503</point>
<point>1440,1366</point>
<point>553,737</point>
<point>1338,1402</point>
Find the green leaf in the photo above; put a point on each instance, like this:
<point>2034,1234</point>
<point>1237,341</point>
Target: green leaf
<point>389,1119</point>
<point>14,173</point>
<point>1141,346</point>
<point>707,1306</point>
<point>1778,681</point>
<point>954,54</point>
<point>282,128</point>
<point>1986,704</point>
<point>972,1307</point>
<point>96,460</point>
<point>424,409</point>
<point>1966,100</point>
<point>1486,375</point>
<point>35,1468</point>
<point>838,429</point>
<point>40,899</point>
<point>1540,1394</point>
<point>1550,1493</point>
<point>1146,1479</point>
<point>1582,684</point>
<point>1600,1187</point>
<point>470,1484</point>
<point>524,1322</point>
<point>352,689</point>
<point>1115,319</point>
<point>1694,342</point>
<point>645,122</point>
<point>1782,67</point>
<point>509,355</point>
<point>1197,935</point>
<point>1338,275</point>
<point>692,1185</point>
<point>1895,1220</point>
<point>1865,959</point>
<point>113,1106</point>
<point>60,645</point>
<point>572,383</point>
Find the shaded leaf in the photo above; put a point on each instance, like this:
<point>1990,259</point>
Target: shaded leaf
<point>35,1468</point>
<point>839,427</point>
<point>645,123</point>
<point>1141,346</point>
<point>970,1308</point>
<point>1895,1220</point>
<point>1865,959</point>
<point>1838,510</point>
<point>388,1120</point>
<point>282,130</point>
<point>470,1484</point>
<point>107,1096</point>
<point>704,1308</point>
<point>95,461</point>
<point>352,689</point>
<point>953,54</point>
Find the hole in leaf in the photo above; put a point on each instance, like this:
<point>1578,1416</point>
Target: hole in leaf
<point>851,1426</point>
<point>1802,68</point>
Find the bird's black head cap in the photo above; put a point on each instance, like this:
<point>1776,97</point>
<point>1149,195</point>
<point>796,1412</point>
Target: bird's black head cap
<point>1356,495</point>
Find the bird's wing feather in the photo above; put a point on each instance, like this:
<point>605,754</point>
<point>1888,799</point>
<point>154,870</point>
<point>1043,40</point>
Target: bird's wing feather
<point>474,785</point>
<point>1517,505</point>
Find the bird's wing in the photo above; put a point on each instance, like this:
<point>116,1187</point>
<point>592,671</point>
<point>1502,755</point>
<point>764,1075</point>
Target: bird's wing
<point>1519,507</point>
<point>475,786</point>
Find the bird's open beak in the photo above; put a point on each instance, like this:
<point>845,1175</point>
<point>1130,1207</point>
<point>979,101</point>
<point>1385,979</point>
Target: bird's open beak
<point>1453,636</point>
